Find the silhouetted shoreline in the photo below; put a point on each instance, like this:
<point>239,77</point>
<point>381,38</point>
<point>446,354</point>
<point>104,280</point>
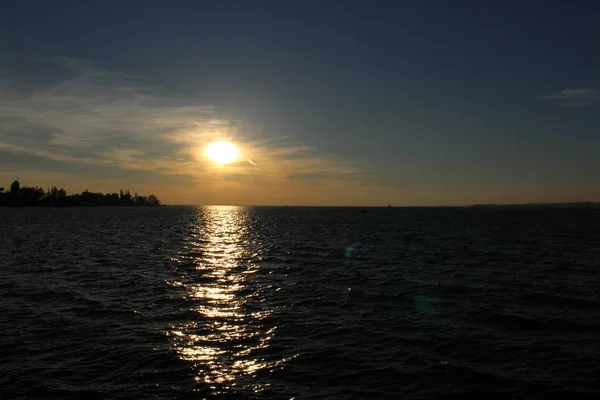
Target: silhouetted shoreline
<point>580,204</point>
<point>72,206</point>
<point>53,197</point>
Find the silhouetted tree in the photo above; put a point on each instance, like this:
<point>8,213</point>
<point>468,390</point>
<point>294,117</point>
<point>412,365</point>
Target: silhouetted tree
<point>153,200</point>
<point>34,196</point>
<point>141,201</point>
<point>29,196</point>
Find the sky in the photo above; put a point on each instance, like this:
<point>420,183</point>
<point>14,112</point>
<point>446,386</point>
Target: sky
<point>329,102</point>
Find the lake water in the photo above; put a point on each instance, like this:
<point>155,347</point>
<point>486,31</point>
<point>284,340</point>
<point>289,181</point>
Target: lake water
<point>303,303</point>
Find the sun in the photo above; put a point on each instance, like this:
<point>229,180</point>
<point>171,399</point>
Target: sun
<point>222,152</point>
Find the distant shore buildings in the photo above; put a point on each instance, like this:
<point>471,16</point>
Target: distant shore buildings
<point>36,196</point>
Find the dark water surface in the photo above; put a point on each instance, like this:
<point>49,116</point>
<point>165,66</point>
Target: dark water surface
<point>304,303</point>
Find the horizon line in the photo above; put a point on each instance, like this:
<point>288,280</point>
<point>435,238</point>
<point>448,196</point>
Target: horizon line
<point>473,205</point>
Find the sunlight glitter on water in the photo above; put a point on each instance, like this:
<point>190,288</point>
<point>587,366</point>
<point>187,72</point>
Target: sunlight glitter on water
<point>222,342</point>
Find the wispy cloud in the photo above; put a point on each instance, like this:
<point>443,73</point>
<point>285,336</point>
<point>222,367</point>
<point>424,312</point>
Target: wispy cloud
<point>96,117</point>
<point>574,97</point>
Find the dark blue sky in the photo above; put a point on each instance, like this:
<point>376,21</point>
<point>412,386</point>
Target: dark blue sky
<point>451,100</point>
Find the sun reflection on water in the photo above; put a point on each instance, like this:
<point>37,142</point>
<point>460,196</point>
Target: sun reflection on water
<point>226,341</point>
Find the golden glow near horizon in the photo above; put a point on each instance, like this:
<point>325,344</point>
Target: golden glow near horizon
<point>222,152</point>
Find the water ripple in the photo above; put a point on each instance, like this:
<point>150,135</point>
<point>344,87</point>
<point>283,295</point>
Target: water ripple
<point>309,303</point>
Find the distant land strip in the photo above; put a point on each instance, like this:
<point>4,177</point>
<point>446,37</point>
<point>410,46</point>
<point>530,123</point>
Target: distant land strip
<point>579,204</point>
<point>19,196</point>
